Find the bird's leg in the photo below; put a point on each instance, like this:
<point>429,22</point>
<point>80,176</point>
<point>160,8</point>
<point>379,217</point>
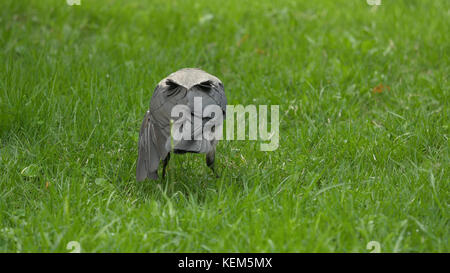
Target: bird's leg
<point>210,157</point>
<point>165,162</point>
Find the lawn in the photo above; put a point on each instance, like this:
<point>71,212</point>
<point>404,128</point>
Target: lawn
<point>364,100</point>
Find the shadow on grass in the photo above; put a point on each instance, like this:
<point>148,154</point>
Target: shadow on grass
<point>186,178</point>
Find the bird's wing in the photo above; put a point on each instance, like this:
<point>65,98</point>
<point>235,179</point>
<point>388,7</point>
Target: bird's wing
<point>155,129</point>
<point>219,96</point>
<point>148,157</point>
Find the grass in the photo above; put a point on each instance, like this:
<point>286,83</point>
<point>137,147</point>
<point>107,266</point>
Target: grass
<point>357,162</point>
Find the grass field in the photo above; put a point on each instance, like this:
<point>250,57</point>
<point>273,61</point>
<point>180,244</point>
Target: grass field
<point>364,126</point>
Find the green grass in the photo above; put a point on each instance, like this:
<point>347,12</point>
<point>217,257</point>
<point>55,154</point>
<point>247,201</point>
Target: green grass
<point>353,165</point>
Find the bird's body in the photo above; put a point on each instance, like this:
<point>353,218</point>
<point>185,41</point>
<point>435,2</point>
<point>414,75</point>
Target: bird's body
<point>182,87</point>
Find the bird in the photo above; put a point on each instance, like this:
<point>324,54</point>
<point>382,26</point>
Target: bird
<point>155,143</point>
